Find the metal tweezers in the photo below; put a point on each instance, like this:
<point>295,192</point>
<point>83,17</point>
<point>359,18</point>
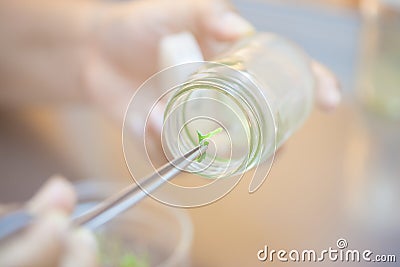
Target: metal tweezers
<point>15,221</point>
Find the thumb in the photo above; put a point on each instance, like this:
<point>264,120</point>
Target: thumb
<point>55,194</point>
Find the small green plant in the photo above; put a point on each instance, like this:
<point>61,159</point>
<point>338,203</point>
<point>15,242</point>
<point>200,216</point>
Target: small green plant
<point>203,137</point>
<point>130,260</point>
<point>113,254</point>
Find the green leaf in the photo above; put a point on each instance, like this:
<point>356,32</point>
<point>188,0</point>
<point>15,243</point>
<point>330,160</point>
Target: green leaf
<point>202,137</point>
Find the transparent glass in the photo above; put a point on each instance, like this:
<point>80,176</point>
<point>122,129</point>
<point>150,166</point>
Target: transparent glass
<point>260,91</point>
<point>149,234</point>
<point>379,79</point>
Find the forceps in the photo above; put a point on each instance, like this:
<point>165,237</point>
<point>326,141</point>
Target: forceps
<point>15,221</point>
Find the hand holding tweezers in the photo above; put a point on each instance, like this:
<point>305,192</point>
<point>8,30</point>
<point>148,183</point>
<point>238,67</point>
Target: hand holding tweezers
<point>18,220</point>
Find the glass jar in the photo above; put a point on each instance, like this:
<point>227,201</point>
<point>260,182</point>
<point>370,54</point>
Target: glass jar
<point>259,92</point>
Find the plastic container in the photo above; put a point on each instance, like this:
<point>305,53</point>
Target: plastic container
<point>150,232</point>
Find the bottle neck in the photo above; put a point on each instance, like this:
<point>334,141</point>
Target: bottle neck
<point>235,100</point>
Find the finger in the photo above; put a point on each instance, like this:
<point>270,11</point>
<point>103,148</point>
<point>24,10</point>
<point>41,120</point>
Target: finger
<point>39,246</point>
<point>81,250</point>
<point>214,23</point>
<point>55,194</point>
<point>328,94</point>
<point>212,17</point>
<point>219,19</point>
<point>129,32</point>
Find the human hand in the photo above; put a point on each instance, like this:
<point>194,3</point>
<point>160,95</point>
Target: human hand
<point>128,36</point>
<point>51,241</point>
<point>101,51</point>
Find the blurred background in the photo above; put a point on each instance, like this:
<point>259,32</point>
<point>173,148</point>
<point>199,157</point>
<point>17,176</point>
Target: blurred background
<point>337,177</point>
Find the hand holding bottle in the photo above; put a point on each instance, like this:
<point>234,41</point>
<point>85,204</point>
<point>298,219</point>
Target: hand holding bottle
<point>100,51</point>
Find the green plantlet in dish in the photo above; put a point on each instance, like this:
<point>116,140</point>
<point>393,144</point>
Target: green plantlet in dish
<point>202,137</point>
<point>130,260</point>
<point>112,253</point>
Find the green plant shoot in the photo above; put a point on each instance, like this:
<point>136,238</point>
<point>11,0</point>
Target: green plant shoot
<point>203,137</point>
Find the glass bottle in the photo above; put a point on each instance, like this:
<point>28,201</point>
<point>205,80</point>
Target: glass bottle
<point>379,79</point>
<point>260,91</point>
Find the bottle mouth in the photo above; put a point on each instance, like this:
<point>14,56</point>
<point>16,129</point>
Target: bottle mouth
<point>219,97</point>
